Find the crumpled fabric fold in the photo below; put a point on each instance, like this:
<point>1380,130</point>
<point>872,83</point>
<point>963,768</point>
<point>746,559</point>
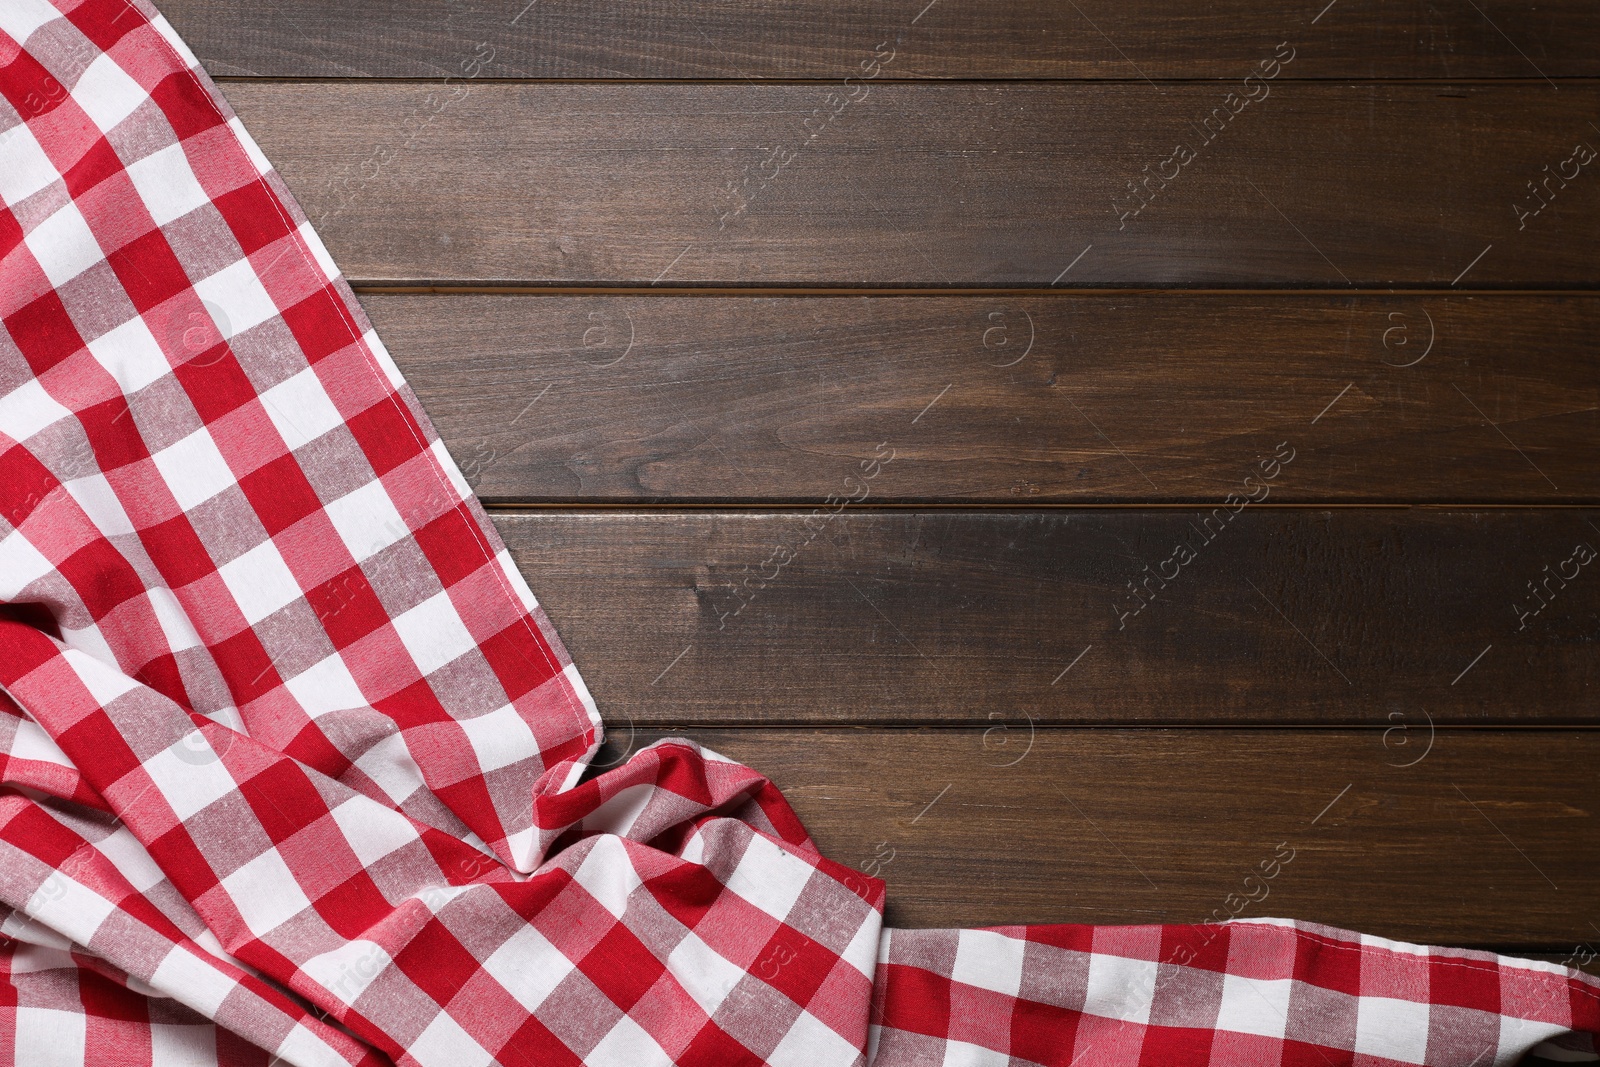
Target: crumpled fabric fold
<point>294,770</point>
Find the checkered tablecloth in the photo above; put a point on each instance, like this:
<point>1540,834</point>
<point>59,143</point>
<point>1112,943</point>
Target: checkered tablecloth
<point>292,764</point>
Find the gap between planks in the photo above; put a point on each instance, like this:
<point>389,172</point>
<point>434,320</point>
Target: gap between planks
<point>363,80</point>
<point>530,510</point>
<point>365,287</point>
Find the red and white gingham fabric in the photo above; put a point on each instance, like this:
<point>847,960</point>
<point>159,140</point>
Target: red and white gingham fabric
<point>291,763</point>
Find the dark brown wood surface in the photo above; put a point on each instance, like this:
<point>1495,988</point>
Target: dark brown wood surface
<point>1284,616</point>
<point>1080,399</point>
<point>746,283</point>
<point>943,39</point>
<point>1487,840</point>
<point>939,185</point>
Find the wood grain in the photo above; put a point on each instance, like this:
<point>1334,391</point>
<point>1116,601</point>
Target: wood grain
<point>1082,399</point>
<point>806,643</point>
<point>1487,841</point>
<point>1285,616</point>
<point>1320,185</point>
<point>816,39</point>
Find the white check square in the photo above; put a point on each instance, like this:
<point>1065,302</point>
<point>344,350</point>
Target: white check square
<point>182,1044</point>
<point>48,1035</point>
<point>238,292</point>
<point>299,407</point>
<point>808,1042</point>
<point>1517,1036</point>
<point>372,830</point>
<point>266,893</point>
<point>69,908</point>
<point>325,686</point>
<point>499,738</point>
<point>966,1054</point>
<point>99,501</point>
<point>130,859</point>
<point>187,776</point>
<point>1119,987</point>
<point>621,810</point>
<point>627,1044</point>
<point>193,469</point>
<point>131,355</point>
<point>1255,1006</point>
<point>607,874</point>
<point>186,977</point>
<point>27,409</point>
<point>64,245</point>
<point>27,168</point>
<point>30,742</point>
<point>107,93</point>
<point>433,633</point>
<point>19,18</point>
<point>170,35</point>
<point>367,520</point>
<point>770,878</point>
<point>90,641</point>
<point>1391,1028</point>
<point>445,1044</point>
<point>703,973</point>
<point>347,970</point>
<point>167,184</point>
<point>260,581</point>
<point>989,961</point>
<point>104,682</point>
<point>389,763</point>
<point>175,625</point>
<point>20,565</point>
<point>528,967</point>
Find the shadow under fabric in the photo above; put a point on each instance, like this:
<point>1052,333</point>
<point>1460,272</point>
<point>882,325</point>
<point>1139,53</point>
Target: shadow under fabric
<point>291,762</point>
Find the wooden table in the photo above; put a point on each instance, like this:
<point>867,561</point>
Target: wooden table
<point>1079,450</point>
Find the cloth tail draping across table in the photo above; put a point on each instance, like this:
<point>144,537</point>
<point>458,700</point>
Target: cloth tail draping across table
<point>292,766</point>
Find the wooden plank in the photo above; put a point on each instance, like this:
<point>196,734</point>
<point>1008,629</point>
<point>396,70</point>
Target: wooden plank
<point>1062,399</point>
<point>1282,616</point>
<point>1317,184</point>
<point>817,39</point>
<point>1487,841</point>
